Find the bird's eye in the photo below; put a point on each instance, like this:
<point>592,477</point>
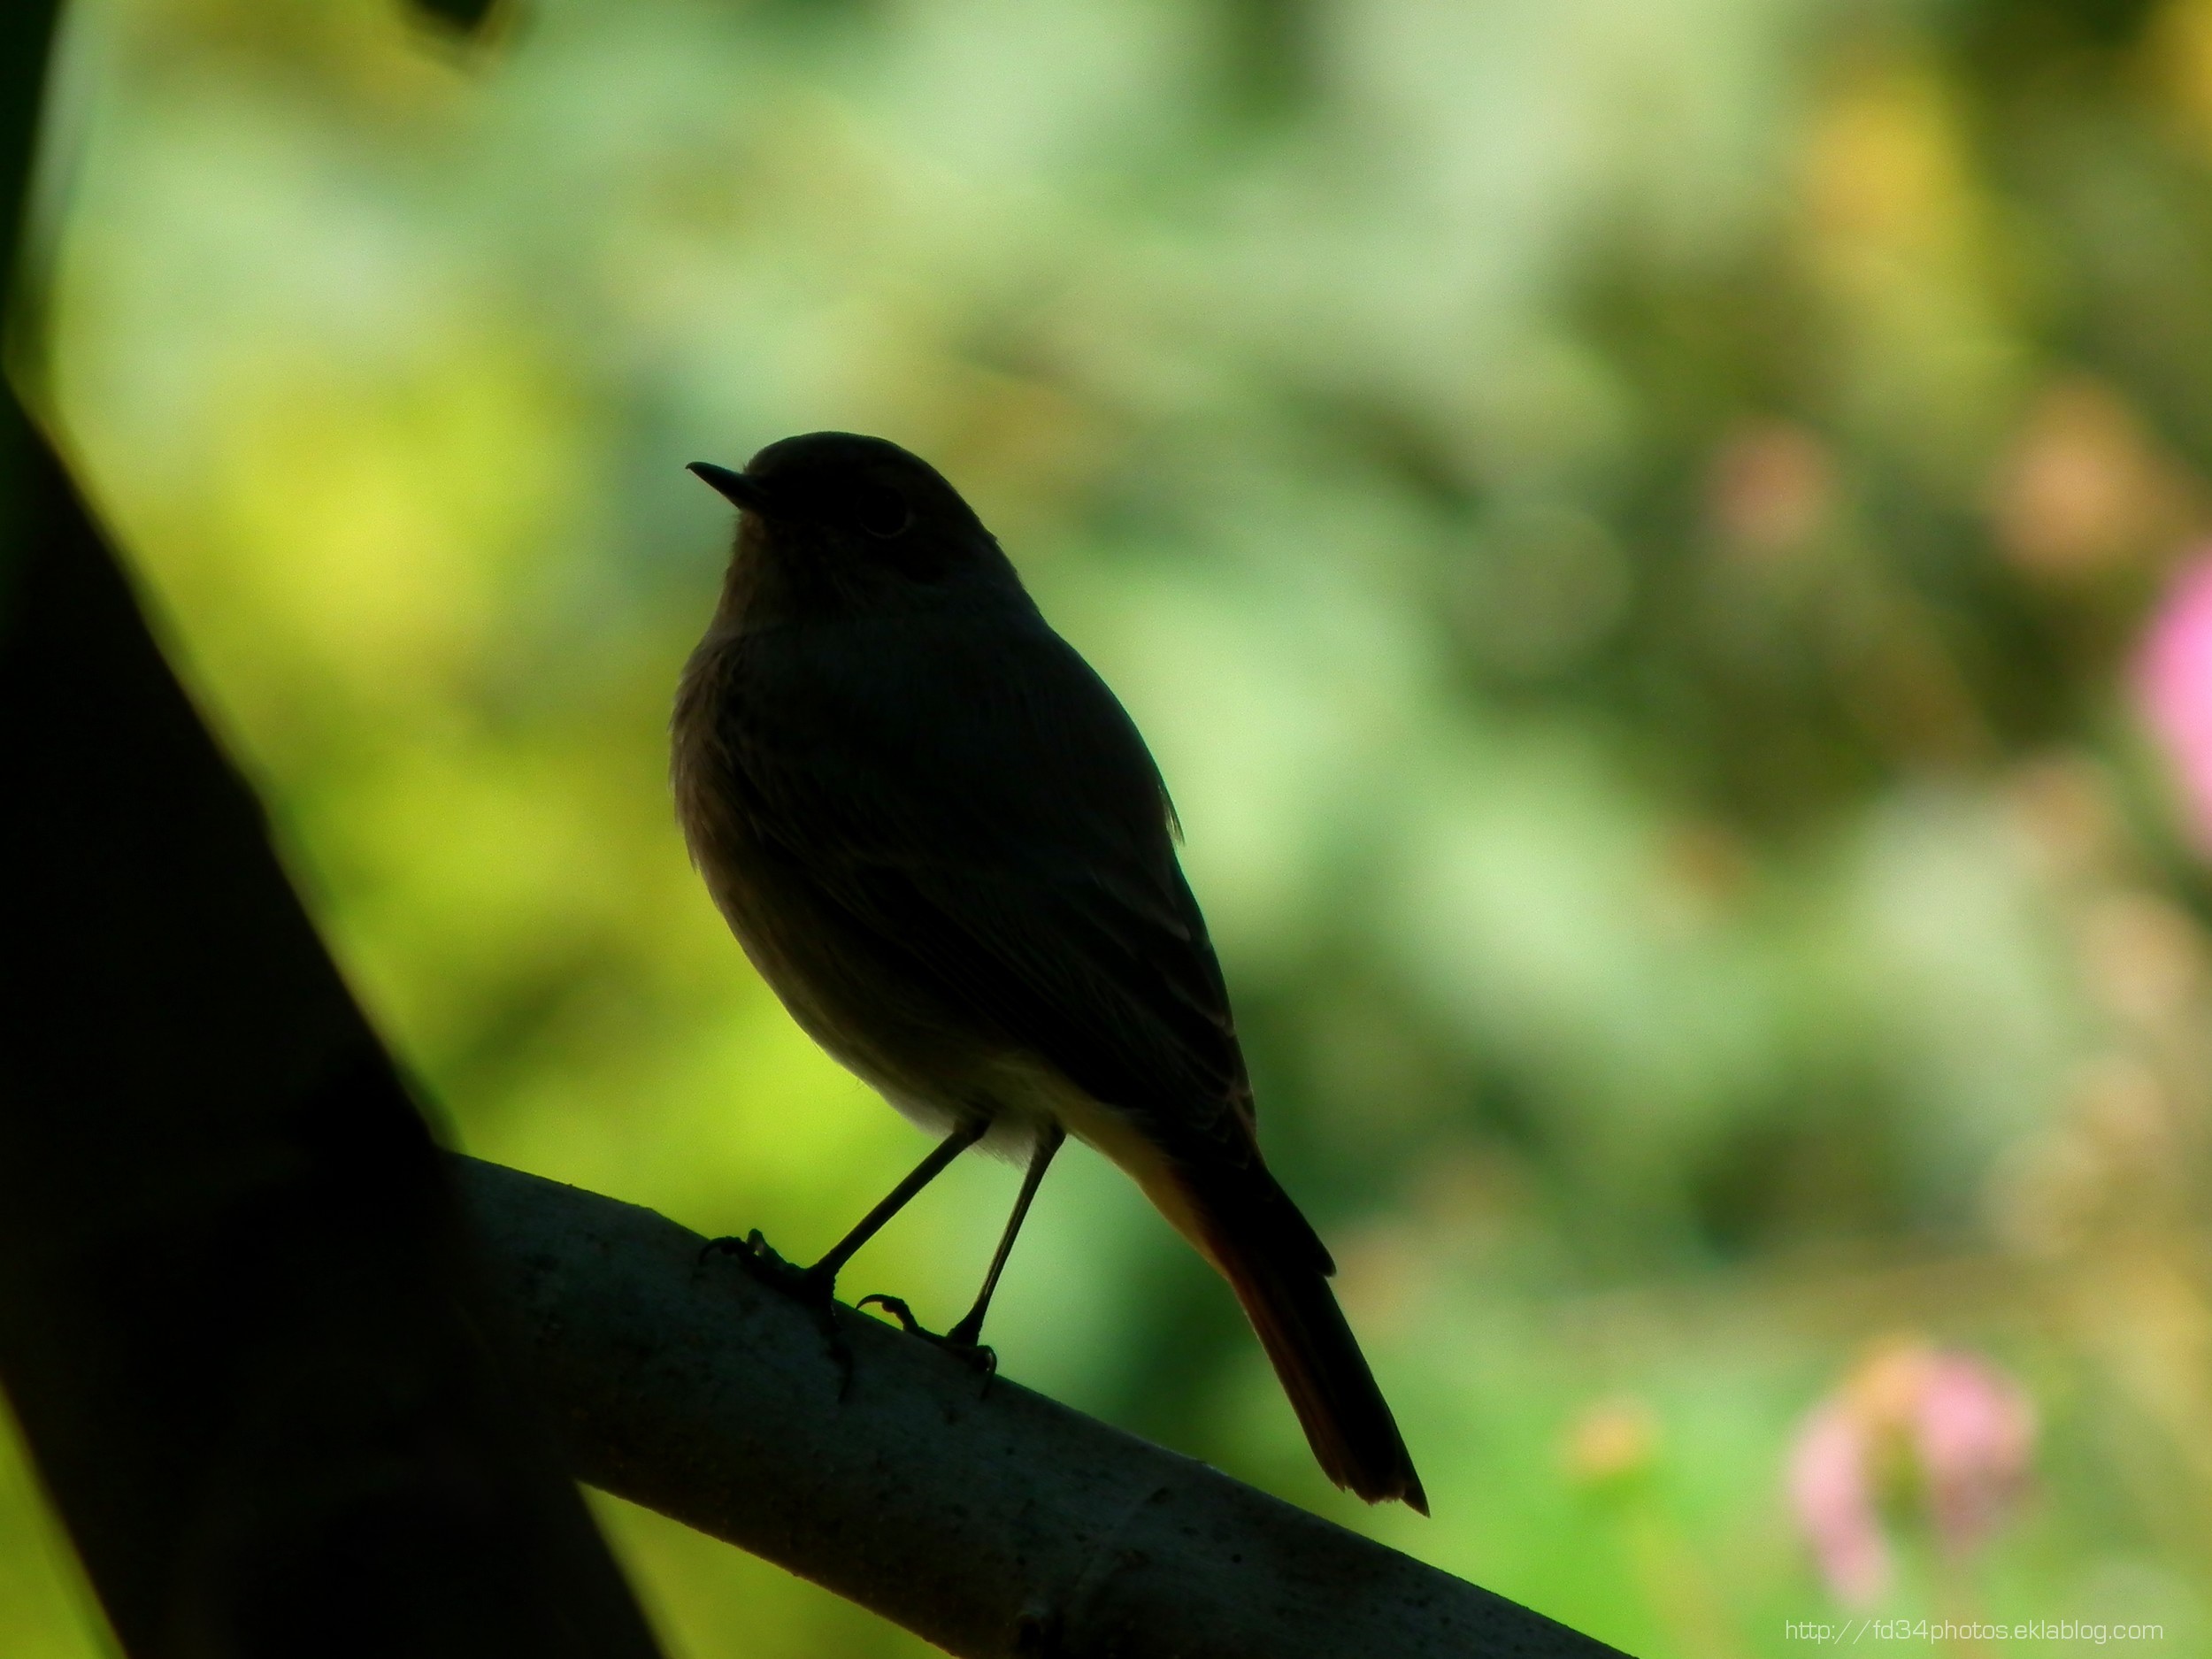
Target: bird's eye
<point>882,511</point>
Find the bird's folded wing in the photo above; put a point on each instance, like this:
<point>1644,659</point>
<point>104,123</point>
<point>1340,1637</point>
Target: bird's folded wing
<point>1012,851</point>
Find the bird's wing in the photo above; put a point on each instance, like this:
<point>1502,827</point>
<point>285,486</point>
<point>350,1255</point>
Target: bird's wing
<point>978,802</point>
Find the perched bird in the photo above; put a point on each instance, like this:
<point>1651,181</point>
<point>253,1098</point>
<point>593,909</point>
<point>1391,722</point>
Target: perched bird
<point>942,841</point>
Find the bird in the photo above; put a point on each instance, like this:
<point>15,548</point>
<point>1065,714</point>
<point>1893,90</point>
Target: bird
<point>942,841</point>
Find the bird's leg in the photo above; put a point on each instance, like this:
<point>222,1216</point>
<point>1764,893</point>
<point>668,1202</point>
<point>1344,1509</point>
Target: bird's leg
<point>928,1169</point>
<point>970,1327</point>
<point>818,1284</point>
<point>962,1338</point>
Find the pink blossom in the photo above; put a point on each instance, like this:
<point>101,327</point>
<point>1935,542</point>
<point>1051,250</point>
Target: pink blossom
<point>1975,1433</point>
<point>2173,687</point>
<point>1945,1435</point>
<point>1834,1499</point>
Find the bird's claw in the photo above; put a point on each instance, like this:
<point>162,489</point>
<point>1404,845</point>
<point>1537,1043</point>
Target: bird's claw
<point>759,1258</point>
<point>809,1287</point>
<point>977,1356</point>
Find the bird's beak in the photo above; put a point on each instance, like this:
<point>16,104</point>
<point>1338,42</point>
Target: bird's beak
<point>745,490</point>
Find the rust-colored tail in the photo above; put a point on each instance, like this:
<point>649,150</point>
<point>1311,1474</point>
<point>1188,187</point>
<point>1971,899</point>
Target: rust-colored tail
<point>1279,1269</point>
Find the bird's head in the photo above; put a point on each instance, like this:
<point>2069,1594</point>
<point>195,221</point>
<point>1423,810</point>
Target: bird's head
<point>835,519</point>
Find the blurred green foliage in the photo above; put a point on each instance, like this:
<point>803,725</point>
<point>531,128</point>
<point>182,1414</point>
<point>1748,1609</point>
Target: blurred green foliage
<point>1625,524</point>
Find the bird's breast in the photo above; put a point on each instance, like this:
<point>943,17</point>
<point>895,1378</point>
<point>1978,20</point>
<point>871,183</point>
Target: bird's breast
<point>838,977</point>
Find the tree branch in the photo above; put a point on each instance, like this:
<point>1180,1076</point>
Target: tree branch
<point>990,1522</point>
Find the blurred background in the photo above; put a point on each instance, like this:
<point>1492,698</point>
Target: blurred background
<point>1663,546</point>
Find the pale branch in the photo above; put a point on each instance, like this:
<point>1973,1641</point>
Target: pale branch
<point>984,1517</point>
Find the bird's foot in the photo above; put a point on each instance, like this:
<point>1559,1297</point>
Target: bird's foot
<point>759,1258</point>
<point>811,1287</point>
<point>959,1342</point>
